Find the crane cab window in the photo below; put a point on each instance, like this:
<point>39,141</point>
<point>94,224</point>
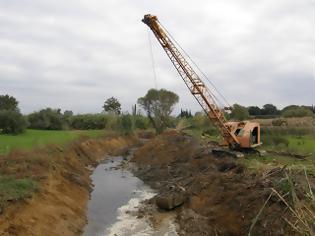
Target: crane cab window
<point>239,132</point>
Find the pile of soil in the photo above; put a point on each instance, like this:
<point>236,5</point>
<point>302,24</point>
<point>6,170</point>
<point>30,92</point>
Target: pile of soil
<point>223,197</point>
<point>59,207</point>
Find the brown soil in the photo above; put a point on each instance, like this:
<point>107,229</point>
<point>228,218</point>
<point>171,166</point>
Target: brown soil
<point>223,196</point>
<point>59,207</point>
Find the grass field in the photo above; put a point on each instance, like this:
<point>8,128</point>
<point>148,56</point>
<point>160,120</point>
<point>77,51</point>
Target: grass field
<point>304,144</point>
<point>39,138</point>
<point>301,145</point>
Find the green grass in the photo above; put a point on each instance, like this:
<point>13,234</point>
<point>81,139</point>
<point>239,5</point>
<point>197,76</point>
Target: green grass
<point>291,143</point>
<point>296,144</point>
<point>12,189</point>
<point>39,138</point>
<point>305,144</point>
<point>301,144</point>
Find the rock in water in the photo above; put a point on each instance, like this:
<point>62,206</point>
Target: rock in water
<point>170,200</point>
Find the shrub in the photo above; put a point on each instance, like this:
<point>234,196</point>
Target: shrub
<point>88,121</point>
<point>141,122</point>
<point>47,119</point>
<point>297,112</point>
<point>274,140</point>
<point>15,189</point>
<point>279,122</point>
<point>211,131</point>
<point>12,122</point>
<point>126,125</point>
<point>113,122</point>
<point>200,121</point>
<point>278,140</point>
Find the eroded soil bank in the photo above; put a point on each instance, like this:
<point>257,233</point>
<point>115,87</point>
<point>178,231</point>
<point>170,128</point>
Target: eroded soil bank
<point>59,207</point>
<point>222,197</point>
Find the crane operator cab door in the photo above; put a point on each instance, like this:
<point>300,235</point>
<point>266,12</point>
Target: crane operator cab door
<point>252,136</point>
<point>247,134</point>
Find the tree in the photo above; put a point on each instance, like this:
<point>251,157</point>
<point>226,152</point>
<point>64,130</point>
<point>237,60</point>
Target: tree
<point>239,112</point>
<point>67,113</point>
<point>12,122</point>
<point>185,113</point>
<point>270,109</point>
<point>112,105</point>
<point>8,103</point>
<point>254,111</point>
<point>158,105</point>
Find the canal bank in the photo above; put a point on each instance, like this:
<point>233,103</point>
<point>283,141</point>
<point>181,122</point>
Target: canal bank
<point>63,174</point>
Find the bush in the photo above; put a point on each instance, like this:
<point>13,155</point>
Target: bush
<point>113,123</point>
<point>141,122</point>
<point>211,131</point>
<point>126,125</point>
<point>200,121</point>
<point>279,122</point>
<point>297,112</point>
<point>88,121</point>
<point>15,189</point>
<point>274,140</point>
<point>12,122</point>
<point>47,119</point>
<point>278,140</point>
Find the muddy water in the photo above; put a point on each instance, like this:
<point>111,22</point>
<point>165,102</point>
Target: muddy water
<point>114,203</point>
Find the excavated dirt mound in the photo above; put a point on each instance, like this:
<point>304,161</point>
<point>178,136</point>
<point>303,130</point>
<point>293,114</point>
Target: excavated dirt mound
<point>59,207</point>
<point>223,197</point>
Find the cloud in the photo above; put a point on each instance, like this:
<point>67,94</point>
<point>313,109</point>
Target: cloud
<point>75,54</point>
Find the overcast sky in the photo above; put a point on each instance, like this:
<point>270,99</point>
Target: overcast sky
<point>74,54</point>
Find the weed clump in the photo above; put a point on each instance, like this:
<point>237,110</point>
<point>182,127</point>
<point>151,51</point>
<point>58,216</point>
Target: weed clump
<point>279,122</point>
<point>279,140</point>
<point>12,189</point>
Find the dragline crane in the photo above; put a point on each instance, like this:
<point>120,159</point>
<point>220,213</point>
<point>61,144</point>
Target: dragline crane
<point>236,134</point>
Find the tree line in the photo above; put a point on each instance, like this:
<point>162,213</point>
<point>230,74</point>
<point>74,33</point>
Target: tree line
<point>157,104</point>
<point>270,111</point>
